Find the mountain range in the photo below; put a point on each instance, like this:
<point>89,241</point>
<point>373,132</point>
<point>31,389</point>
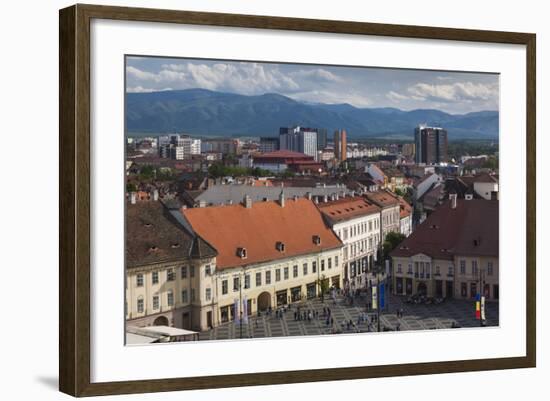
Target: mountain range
<point>204,112</point>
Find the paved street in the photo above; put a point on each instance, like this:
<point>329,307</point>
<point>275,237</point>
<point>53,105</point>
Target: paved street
<point>415,317</point>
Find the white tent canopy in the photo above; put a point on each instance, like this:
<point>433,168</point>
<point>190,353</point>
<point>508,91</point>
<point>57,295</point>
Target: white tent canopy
<point>168,331</point>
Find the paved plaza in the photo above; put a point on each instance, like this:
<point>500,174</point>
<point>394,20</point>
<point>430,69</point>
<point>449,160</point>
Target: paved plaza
<point>415,317</point>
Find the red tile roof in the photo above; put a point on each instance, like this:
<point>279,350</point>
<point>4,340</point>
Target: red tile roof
<point>284,154</point>
<point>470,229</point>
<point>259,228</point>
<point>405,209</point>
<point>347,208</point>
<point>383,198</point>
<point>152,236</point>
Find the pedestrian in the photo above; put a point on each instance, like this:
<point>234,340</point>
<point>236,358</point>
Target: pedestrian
<point>295,315</point>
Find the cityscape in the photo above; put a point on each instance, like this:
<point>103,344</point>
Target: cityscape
<point>273,200</point>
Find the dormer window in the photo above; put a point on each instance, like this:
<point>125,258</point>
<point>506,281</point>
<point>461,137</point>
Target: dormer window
<point>317,240</point>
<point>153,248</point>
<point>241,253</point>
<point>280,246</point>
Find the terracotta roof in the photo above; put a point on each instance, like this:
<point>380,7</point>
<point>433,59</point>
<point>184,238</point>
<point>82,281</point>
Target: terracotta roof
<point>284,154</point>
<point>470,229</point>
<point>382,198</point>
<point>484,177</point>
<point>347,208</point>
<point>152,236</point>
<point>259,228</point>
<point>405,209</point>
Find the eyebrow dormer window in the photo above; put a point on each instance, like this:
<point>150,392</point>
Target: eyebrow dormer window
<point>280,246</point>
<point>317,240</point>
<point>241,253</point>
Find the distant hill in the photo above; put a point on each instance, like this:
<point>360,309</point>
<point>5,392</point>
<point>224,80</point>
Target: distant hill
<point>205,112</point>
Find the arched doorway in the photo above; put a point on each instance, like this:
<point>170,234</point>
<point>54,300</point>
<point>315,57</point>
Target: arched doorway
<point>264,301</point>
<point>422,289</point>
<point>161,321</point>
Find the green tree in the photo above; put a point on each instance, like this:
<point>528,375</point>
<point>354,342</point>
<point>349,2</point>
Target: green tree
<point>322,282</point>
<point>147,172</point>
<point>131,187</point>
<point>391,242</point>
<point>492,163</point>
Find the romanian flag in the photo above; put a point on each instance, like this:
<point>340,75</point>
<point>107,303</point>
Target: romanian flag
<point>478,306</point>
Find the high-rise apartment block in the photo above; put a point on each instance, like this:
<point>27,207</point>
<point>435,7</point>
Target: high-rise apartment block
<point>269,144</point>
<point>298,139</point>
<point>340,145</point>
<point>178,147</point>
<point>430,145</point>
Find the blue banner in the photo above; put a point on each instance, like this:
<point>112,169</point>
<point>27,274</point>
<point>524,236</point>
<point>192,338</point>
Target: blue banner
<point>382,296</point>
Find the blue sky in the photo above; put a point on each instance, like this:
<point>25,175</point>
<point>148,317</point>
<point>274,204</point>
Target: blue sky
<point>452,92</point>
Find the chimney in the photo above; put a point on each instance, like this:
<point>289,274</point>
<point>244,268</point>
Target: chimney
<point>156,195</point>
<point>308,195</point>
<point>336,196</point>
<point>230,202</point>
<point>247,202</point>
<point>452,197</point>
<point>202,203</point>
<point>325,198</point>
<point>295,198</point>
<point>133,197</point>
<point>282,198</point>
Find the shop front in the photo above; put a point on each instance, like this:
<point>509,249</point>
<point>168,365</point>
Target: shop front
<point>311,289</point>
<point>282,297</point>
<point>399,285</point>
<point>296,294</point>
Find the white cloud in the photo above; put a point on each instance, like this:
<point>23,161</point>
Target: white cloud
<point>318,75</point>
<point>458,91</point>
<point>245,78</point>
<point>396,97</point>
<point>141,89</point>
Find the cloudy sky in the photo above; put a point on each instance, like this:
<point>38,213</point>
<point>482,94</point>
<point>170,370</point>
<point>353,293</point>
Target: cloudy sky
<point>452,92</point>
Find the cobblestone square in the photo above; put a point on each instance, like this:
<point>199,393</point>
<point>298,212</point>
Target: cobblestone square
<point>415,317</point>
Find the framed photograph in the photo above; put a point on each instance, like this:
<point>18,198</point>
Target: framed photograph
<point>250,200</point>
